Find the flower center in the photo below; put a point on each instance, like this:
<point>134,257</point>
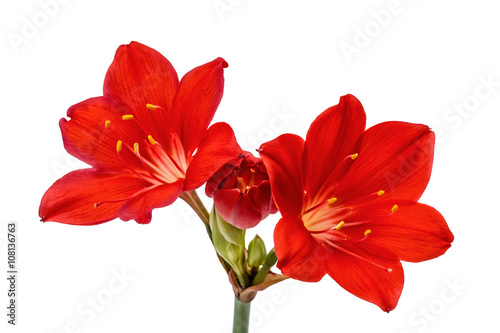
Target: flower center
<point>158,164</point>
<point>333,221</point>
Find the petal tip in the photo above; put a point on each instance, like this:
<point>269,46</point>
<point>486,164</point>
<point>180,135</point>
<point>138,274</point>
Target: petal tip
<point>222,62</point>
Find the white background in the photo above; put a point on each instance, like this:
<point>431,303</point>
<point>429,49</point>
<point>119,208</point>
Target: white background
<point>423,63</point>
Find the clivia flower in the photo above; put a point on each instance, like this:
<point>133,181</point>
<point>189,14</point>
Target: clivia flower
<point>348,199</point>
<point>147,140</point>
<point>241,192</point>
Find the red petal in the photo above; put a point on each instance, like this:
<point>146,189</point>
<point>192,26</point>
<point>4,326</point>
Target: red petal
<point>217,149</point>
<point>71,199</point>
<point>226,171</point>
<point>282,158</point>
<point>138,76</point>
<point>261,197</point>
<point>363,271</point>
<point>200,92</point>
<point>416,232</point>
<point>140,208</point>
<point>244,211</point>
<point>237,208</point>
<point>330,139</point>
<point>393,156</point>
<point>300,256</point>
<point>86,137</point>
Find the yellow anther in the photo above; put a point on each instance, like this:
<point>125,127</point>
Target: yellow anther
<point>136,148</point>
<point>151,106</point>
<point>340,225</point>
<point>107,123</point>
<point>354,156</point>
<point>367,232</point>
<point>127,117</point>
<point>380,193</point>
<point>119,145</point>
<point>332,201</point>
<point>151,140</point>
<point>394,209</point>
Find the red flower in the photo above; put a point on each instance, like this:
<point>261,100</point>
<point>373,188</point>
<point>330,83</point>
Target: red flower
<point>241,192</point>
<point>348,199</point>
<point>146,140</point>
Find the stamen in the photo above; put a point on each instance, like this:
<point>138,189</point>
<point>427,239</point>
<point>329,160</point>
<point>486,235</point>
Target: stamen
<point>151,140</point>
<point>340,225</point>
<point>136,151</point>
<point>127,117</point>
<point>169,155</point>
<point>367,232</point>
<point>341,168</point>
<point>107,123</point>
<point>357,223</point>
<point>332,201</point>
<point>119,145</point>
<point>97,204</point>
<point>240,184</point>
<point>338,247</point>
<point>151,106</point>
<point>363,198</point>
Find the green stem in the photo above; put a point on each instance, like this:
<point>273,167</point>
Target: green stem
<point>241,317</point>
<point>194,201</point>
<point>264,270</point>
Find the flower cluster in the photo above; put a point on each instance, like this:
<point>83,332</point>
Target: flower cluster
<point>347,195</point>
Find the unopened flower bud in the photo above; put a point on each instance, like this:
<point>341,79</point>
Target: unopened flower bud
<point>256,252</point>
<point>229,242</point>
<point>242,192</point>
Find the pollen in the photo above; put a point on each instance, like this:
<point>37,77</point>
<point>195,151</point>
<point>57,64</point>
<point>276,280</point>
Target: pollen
<point>127,116</point>
<point>107,123</point>
<point>151,140</point>
<point>119,145</point>
<point>151,106</point>
<point>367,232</point>
<point>332,201</point>
<point>136,148</point>
<point>394,209</point>
<point>380,193</point>
<point>340,225</point>
<point>354,156</point>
